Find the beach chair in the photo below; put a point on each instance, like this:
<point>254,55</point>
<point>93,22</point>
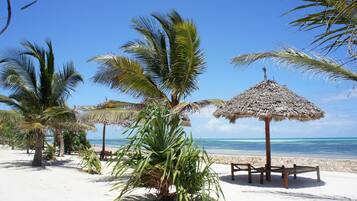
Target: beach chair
<point>285,172</point>
<point>104,156</point>
<point>235,167</point>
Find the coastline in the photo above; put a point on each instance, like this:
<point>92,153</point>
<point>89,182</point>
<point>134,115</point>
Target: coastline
<point>325,164</point>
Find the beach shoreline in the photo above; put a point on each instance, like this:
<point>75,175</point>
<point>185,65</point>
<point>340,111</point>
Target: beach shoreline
<point>325,164</point>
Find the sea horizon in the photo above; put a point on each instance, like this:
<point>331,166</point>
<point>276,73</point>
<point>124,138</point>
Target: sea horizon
<point>317,147</point>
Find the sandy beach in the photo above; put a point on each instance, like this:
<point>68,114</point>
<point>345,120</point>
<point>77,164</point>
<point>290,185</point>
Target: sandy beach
<point>325,164</point>
<point>63,180</point>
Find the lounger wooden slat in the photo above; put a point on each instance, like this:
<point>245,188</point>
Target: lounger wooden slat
<point>235,167</point>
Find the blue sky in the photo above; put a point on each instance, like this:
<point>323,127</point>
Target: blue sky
<point>84,28</point>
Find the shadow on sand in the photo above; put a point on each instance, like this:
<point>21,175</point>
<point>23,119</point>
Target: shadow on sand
<point>27,164</point>
<point>299,196</point>
<point>276,181</point>
<point>146,197</point>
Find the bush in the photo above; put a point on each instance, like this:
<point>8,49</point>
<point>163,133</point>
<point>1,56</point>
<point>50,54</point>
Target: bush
<point>162,156</point>
<point>90,162</point>
<point>50,152</point>
<point>75,141</point>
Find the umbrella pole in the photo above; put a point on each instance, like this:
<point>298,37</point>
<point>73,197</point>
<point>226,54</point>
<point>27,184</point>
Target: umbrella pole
<point>267,149</point>
<point>103,142</point>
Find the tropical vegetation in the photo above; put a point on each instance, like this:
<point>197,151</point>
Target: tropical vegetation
<point>37,95</point>
<point>164,65</point>
<point>337,22</point>
<point>159,155</point>
<point>90,161</point>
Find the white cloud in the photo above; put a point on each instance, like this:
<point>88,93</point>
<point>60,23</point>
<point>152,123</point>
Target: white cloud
<point>345,95</point>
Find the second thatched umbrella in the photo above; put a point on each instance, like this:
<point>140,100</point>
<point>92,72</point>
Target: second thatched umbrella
<point>110,113</point>
<point>269,101</point>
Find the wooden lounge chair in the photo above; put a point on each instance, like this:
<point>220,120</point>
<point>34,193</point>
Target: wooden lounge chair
<point>235,167</point>
<point>285,172</point>
<point>104,156</point>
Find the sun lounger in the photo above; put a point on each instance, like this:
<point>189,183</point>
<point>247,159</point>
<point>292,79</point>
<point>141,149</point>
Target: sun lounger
<point>104,156</point>
<point>235,167</point>
<point>285,172</point>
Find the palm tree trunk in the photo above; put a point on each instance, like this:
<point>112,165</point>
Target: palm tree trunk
<point>37,159</point>
<point>28,142</point>
<point>102,155</point>
<point>61,143</point>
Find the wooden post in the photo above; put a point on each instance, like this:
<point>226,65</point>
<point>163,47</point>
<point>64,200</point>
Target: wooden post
<point>294,171</point>
<point>285,178</point>
<point>267,148</point>
<point>232,171</point>
<point>102,154</point>
<point>318,173</point>
<point>249,173</point>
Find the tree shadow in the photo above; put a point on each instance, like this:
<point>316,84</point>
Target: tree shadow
<point>27,164</point>
<point>104,179</point>
<point>21,165</point>
<point>276,181</point>
<point>299,196</point>
<point>146,197</point>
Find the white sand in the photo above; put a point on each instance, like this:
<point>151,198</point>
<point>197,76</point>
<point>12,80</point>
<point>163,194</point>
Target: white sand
<point>63,181</point>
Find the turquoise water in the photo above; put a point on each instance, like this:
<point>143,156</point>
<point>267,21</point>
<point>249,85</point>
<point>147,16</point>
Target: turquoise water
<point>319,147</point>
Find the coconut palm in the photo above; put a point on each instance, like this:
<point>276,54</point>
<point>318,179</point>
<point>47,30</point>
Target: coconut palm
<point>337,17</point>
<point>36,93</point>
<point>165,64</point>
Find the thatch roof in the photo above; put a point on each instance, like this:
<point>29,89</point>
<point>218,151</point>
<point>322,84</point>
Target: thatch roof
<point>269,99</point>
<point>108,116</point>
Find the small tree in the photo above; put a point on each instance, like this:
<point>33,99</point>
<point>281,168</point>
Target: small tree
<point>162,156</point>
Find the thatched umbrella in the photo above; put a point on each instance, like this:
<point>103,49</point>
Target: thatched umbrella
<point>269,101</point>
<point>107,116</point>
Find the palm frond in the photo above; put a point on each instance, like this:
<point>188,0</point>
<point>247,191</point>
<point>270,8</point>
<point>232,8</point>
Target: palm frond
<point>197,105</point>
<point>189,62</point>
<point>126,75</point>
<point>300,60</point>
<point>338,18</point>
<point>10,102</point>
<point>65,82</point>
<point>10,116</point>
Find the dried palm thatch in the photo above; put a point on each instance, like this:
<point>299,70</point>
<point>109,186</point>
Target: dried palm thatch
<point>108,116</point>
<point>269,99</point>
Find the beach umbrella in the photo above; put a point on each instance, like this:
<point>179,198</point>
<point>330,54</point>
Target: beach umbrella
<point>107,115</point>
<point>269,101</point>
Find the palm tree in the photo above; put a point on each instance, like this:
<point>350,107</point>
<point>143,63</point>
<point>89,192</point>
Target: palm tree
<point>37,93</point>
<point>165,65</point>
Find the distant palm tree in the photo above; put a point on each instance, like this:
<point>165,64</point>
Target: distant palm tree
<point>165,65</point>
<point>39,95</point>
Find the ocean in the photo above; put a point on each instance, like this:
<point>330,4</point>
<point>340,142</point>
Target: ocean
<point>344,148</point>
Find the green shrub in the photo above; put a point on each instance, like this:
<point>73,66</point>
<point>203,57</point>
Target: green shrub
<point>160,156</point>
<point>90,162</point>
<point>50,152</point>
<point>75,141</point>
